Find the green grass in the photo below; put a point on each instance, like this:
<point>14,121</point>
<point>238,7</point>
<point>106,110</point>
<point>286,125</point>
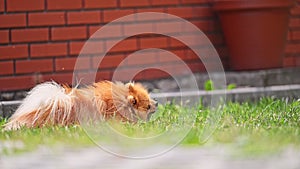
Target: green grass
<point>264,127</point>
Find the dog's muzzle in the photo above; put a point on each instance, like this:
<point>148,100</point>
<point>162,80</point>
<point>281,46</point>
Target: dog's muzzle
<point>153,110</point>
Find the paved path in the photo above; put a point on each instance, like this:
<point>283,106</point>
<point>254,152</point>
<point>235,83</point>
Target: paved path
<point>178,158</point>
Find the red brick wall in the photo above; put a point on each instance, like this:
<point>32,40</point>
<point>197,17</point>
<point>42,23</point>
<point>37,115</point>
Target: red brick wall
<point>292,57</point>
<point>40,39</point>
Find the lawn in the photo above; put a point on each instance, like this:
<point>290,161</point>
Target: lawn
<point>263,127</point>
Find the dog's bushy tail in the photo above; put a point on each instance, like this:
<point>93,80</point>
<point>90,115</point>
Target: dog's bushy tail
<point>46,104</point>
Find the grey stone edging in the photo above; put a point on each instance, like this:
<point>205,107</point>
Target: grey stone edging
<point>261,78</point>
<point>7,108</point>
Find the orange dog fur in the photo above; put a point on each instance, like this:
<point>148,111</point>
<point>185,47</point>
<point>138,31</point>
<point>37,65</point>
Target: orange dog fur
<point>52,104</point>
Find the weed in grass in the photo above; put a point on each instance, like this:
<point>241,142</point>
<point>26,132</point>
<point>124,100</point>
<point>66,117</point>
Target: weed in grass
<point>209,86</point>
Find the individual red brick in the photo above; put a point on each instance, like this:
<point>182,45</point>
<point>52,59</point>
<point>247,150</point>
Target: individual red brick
<point>155,9</point>
<point>184,12</point>
<point>134,3</point>
<point>6,68</point>
<point>108,61</point>
<point>64,5</point>
<point>83,77</point>
<point>292,48</point>
<point>33,66</point>
<point>125,45</point>
<point>12,20</point>
<point>30,35</point>
<point>174,43</point>
<point>180,53</point>
<point>154,42</point>
<point>150,17</point>
<point>111,31</point>
<point>190,12</point>
<point>172,69</point>
<point>142,58</point>
<point>289,61</point>
<point>49,49</point>
<point>13,52</point>
<point>176,69</point>
<point>94,47</point>
<point>215,39</point>
<point>75,47</point>
<point>96,4</point>
<point>2,6</point>
<point>169,27</point>
<point>69,33</point>
<point>289,35</point>
<point>4,36</point>
<point>165,2</point>
<point>62,78</point>
<point>103,75</point>
<point>93,29</point>
<point>46,19</point>
<point>191,55</point>
<point>67,64</point>
<point>295,11</point>
<point>110,15</point>
<point>193,41</point>
<point>133,29</point>
<point>199,67</point>
<point>206,53</point>
<point>154,74</point>
<point>21,5</point>
<point>16,83</point>
<point>201,11</point>
<point>88,17</point>
<point>126,73</point>
<point>294,23</point>
<point>295,35</point>
<point>166,57</point>
<point>206,25</point>
<point>297,61</point>
<point>139,76</point>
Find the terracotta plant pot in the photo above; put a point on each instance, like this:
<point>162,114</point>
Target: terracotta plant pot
<point>255,31</point>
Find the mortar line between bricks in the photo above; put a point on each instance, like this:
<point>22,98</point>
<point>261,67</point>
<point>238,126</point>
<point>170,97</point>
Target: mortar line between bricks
<point>5,7</point>
<point>45,6</point>
<point>82,5</point>
<point>14,67</point>
<point>29,51</point>
<point>27,20</point>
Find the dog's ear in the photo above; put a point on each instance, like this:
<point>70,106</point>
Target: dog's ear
<point>131,100</point>
<point>130,86</point>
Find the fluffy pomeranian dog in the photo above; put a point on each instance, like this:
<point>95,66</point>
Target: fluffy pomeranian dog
<point>50,103</point>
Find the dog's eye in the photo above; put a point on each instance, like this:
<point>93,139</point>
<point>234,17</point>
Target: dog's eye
<point>133,101</point>
<point>148,107</point>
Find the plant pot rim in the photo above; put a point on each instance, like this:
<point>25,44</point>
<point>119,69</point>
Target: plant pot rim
<point>226,5</point>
